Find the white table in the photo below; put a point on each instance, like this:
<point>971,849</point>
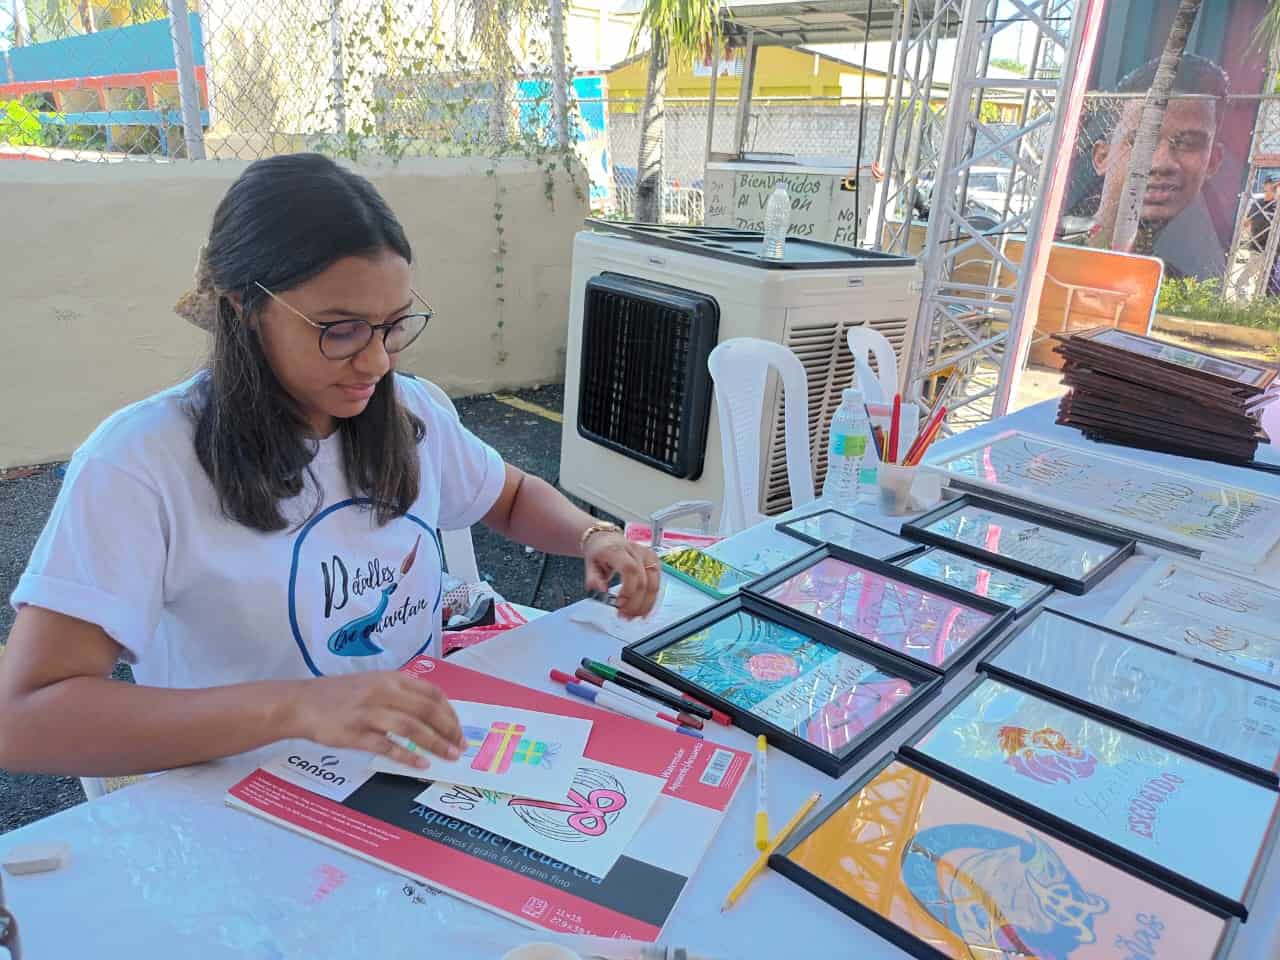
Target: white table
<point>164,868</point>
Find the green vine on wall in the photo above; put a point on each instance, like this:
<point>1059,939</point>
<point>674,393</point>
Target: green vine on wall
<point>405,93</point>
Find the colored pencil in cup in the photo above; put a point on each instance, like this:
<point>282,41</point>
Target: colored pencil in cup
<point>762,861</point>
<point>895,424</point>
<point>926,437</point>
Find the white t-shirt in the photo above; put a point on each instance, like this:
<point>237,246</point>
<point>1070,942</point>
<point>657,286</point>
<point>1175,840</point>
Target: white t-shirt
<point>137,544</point>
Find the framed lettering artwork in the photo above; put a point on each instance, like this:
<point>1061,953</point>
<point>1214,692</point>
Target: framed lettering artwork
<point>842,530</point>
<point>1207,613</point>
<point>980,579</point>
<point>944,875</point>
<point>1193,706</point>
<point>1234,525</point>
<point>1106,787</point>
<point>806,687</point>
<point>1072,557</point>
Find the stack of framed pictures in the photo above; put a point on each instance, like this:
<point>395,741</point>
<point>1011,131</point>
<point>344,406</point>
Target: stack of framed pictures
<point>1232,525</point>
<point>1072,557</point>
<point>1207,613</point>
<point>916,619</point>
<point>1142,392</point>
<point>1139,802</point>
<point>841,530</point>
<point>1194,707</point>
<point>814,693</point>
<point>942,874</point>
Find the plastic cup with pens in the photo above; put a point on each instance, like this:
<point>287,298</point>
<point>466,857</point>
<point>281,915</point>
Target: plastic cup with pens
<point>904,487</point>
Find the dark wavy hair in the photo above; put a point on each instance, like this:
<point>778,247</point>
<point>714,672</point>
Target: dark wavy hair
<point>285,220</point>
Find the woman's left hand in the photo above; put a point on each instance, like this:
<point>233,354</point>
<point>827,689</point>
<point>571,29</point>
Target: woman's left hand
<point>607,554</point>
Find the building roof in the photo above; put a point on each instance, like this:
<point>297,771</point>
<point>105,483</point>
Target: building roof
<point>813,21</point>
<point>877,54</point>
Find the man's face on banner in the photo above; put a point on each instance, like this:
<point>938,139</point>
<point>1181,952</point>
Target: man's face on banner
<point>1187,154</point>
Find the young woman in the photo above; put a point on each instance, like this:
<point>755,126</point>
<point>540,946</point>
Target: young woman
<point>261,543</point>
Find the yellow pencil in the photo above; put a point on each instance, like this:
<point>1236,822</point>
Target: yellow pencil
<point>762,861</point>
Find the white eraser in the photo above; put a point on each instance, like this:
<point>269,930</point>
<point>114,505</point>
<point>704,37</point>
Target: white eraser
<point>35,858</point>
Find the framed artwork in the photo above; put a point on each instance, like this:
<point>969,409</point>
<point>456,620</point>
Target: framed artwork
<point>1206,635</point>
<point>979,579</point>
<point>803,685</point>
<point>699,569</point>
<point>757,550</point>
<point>1196,609</point>
<point>841,530</point>
<point>1237,525</point>
<point>945,876</point>
<point>1227,372</point>
<point>1106,788</point>
<point>1072,557</point>
<point>914,618</point>
<point>1195,707</point>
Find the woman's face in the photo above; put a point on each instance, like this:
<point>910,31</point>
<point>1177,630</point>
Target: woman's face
<point>374,289</point>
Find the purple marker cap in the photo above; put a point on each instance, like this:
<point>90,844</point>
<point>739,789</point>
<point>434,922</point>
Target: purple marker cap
<point>688,732</point>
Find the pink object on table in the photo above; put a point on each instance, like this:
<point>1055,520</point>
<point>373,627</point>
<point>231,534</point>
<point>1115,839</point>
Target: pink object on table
<point>642,534</point>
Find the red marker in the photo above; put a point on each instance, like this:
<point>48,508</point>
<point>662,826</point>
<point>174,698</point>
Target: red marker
<point>583,675</point>
<point>719,716</point>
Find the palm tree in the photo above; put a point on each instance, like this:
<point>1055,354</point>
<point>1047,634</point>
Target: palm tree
<point>1124,233</point>
<point>680,29</point>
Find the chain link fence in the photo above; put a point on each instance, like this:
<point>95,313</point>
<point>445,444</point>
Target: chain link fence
<point>109,79</point>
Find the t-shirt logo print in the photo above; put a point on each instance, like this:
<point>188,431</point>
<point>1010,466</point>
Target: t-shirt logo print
<point>355,638</point>
<point>364,595</point>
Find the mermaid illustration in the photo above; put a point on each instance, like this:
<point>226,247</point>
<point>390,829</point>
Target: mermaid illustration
<point>998,892</point>
<point>355,638</point>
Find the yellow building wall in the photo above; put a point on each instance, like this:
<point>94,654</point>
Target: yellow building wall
<point>780,72</point>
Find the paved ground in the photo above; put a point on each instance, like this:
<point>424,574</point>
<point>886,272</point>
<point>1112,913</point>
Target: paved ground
<point>528,440</point>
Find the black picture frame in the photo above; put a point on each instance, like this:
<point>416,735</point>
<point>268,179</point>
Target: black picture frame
<point>909,548</point>
<point>1122,547</point>
<point>1232,764</point>
<point>1135,863</point>
<point>781,862</point>
<point>925,683</point>
<point>1001,614</point>
<point>1018,611</point>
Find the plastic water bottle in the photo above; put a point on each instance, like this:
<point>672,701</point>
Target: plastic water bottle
<point>777,218</point>
<point>847,449</point>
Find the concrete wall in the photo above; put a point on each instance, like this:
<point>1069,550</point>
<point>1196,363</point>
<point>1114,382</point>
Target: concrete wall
<point>93,257</point>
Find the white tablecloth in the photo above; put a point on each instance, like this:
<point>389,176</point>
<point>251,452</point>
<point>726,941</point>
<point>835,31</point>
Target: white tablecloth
<point>164,868</point>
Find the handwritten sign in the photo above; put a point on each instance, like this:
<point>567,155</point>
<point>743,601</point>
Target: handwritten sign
<point>1234,523</point>
<point>719,198</point>
<point>810,201</point>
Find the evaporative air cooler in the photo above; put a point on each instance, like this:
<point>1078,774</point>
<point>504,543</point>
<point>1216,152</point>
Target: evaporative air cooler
<point>650,302</point>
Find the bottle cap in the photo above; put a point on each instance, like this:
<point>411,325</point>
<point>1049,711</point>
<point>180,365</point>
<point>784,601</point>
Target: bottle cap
<point>852,395</point>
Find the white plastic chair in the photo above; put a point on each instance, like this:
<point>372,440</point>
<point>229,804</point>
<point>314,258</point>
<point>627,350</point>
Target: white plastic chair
<point>740,369</point>
<point>865,343</point>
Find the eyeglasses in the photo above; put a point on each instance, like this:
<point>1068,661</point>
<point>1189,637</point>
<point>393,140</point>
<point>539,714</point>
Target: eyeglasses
<point>343,339</point>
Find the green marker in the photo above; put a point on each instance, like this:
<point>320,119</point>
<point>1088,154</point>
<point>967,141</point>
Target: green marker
<point>606,672</point>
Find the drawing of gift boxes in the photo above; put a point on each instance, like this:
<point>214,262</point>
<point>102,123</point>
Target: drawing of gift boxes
<point>495,749</point>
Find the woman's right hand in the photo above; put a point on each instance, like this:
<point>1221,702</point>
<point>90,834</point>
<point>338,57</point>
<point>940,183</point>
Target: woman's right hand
<point>358,710</point>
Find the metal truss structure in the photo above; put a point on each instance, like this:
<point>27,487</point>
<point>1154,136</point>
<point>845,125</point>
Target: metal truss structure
<point>979,259</point>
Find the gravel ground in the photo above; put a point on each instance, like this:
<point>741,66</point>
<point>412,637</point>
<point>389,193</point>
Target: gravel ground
<point>527,440</point>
